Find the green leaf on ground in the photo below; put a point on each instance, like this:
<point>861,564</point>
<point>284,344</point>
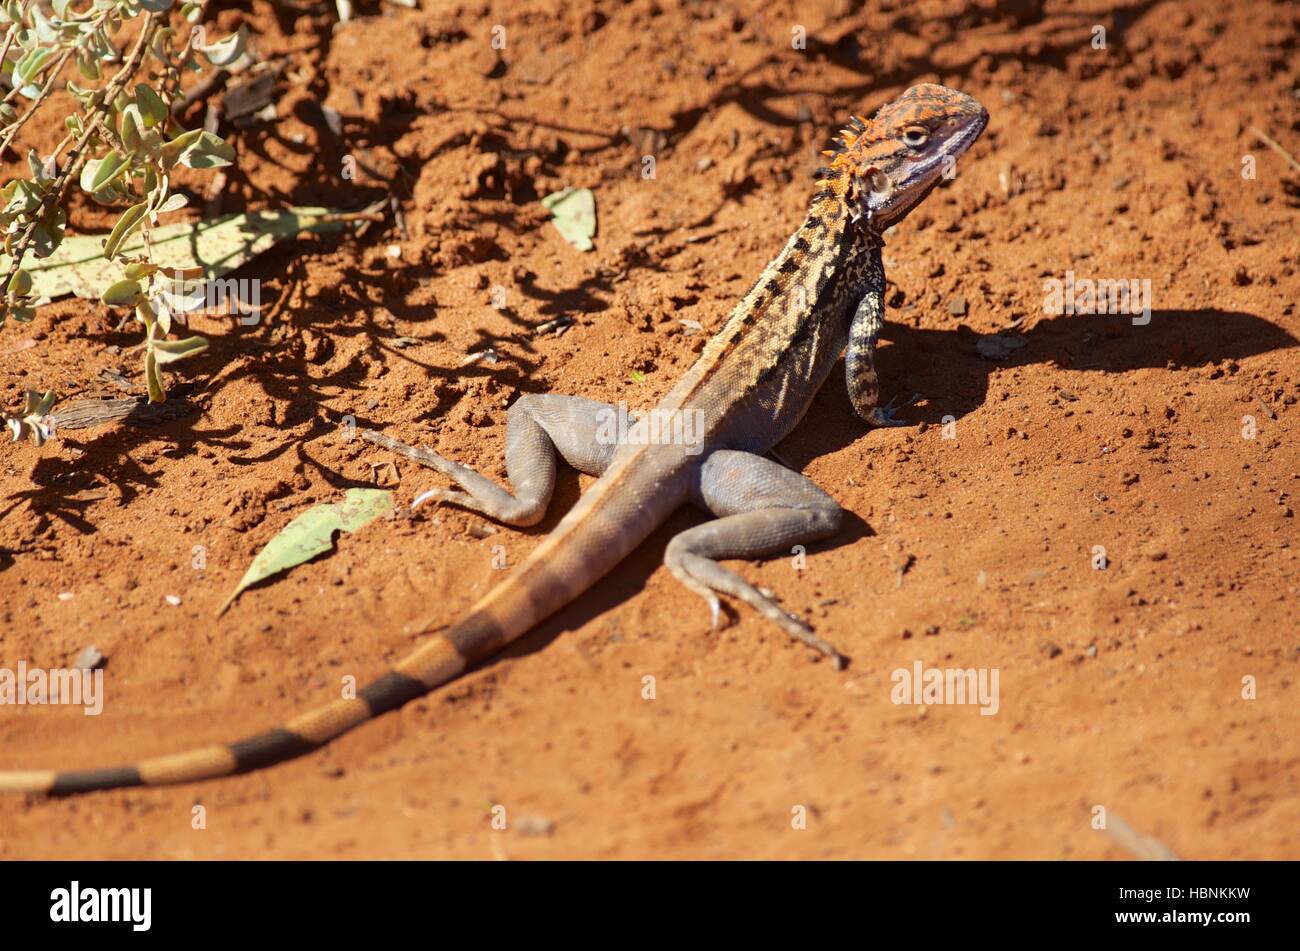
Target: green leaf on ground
<point>312,534</point>
<point>575,215</point>
<point>218,246</point>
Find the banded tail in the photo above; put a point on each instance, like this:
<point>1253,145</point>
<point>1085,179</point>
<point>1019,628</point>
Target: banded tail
<point>595,535</point>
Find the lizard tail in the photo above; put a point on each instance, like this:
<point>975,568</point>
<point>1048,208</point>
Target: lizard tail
<point>596,534</point>
<point>435,662</point>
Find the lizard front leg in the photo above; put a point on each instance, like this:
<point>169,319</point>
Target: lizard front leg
<point>762,508</point>
<point>537,426</point>
<point>859,358</point>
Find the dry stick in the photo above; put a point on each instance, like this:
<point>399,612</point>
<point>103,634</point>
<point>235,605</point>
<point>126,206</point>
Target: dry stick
<point>134,409</point>
<point>1276,148</point>
<point>343,217</point>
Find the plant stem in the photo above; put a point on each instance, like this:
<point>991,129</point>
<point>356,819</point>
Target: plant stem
<point>36,103</point>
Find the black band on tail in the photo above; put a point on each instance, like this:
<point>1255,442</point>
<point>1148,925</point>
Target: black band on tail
<point>391,691</point>
<point>88,780</point>
<point>268,748</point>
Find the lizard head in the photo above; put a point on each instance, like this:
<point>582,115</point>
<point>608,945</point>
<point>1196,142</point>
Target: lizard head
<point>886,165</point>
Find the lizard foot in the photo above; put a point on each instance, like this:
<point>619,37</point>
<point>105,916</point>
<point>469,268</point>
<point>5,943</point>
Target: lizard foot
<point>705,577</point>
<point>884,415</point>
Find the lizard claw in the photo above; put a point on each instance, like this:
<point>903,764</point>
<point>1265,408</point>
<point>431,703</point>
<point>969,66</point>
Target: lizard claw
<point>441,495</point>
<point>884,415</point>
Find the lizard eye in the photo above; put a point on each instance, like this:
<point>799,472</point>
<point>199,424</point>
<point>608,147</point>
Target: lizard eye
<point>915,136</point>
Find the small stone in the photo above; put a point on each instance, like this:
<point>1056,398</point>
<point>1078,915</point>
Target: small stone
<point>534,825</point>
<point>957,306</point>
<point>90,658</point>
<point>998,346</point>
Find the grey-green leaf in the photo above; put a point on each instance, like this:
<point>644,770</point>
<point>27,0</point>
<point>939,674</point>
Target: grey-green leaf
<point>173,203</point>
<point>218,246</point>
<point>122,293</point>
<point>168,351</point>
<point>224,52</point>
<point>152,108</point>
<point>575,215</point>
<point>130,220</point>
<point>97,173</point>
<point>312,534</point>
<point>20,285</point>
<point>208,151</point>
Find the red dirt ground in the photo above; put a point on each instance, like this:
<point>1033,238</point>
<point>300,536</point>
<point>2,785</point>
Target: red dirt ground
<point>1120,688</point>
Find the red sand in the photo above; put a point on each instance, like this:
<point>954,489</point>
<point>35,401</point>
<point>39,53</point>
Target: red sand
<point>1120,688</point>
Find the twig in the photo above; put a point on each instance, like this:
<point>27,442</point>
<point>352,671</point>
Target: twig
<point>9,41</point>
<point>36,103</point>
<point>173,77</point>
<point>63,143</point>
<point>134,409</point>
<point>343,217</point>
<point>1276,148</point>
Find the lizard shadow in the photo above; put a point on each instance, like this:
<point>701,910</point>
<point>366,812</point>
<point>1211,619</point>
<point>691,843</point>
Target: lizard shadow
<point>946,369</point>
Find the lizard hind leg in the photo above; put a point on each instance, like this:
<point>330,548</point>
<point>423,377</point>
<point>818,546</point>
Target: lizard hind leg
<point>537,427</point>
<point>763,508</point>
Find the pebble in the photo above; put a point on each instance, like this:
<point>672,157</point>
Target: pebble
<point>90,658</point>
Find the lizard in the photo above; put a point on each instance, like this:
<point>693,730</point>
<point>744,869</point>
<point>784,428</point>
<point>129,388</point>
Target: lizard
<point>821,298</point>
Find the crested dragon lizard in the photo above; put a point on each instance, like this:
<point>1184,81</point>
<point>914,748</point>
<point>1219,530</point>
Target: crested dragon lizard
<point>821,297</point>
